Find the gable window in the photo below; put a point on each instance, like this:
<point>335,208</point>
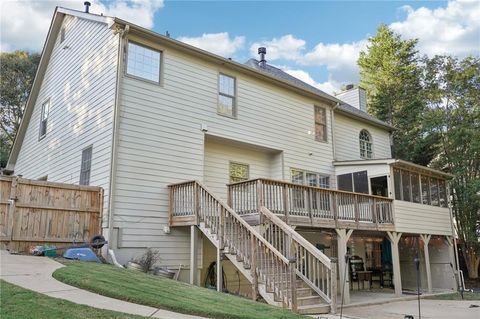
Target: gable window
<point>44,118</point>
<point>86,166</point>
<point>239,172</point>
<point>320,124</point>
<point>365,144</point>
<point>226,95</point>
<point>143,62</point>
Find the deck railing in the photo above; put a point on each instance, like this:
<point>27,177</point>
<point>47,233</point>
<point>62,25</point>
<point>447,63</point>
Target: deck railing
<point>308,202</point>
<point>193,200</point>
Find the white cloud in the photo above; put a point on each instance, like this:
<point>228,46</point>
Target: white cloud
<point>24,24</point>
<point>454,29</point>
<point>286,47</point>
<point>218,43</point>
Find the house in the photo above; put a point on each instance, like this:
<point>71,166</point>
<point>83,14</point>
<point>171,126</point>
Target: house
<point>209,160</point>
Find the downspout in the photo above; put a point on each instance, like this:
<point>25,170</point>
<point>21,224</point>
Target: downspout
<point>332,115</point>
<point>122,33</point>
<point>334,151</point>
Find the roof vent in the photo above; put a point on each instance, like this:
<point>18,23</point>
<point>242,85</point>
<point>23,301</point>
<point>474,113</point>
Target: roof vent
<point>87,6</point>
<point>262,51</point>
<point>349,86</point>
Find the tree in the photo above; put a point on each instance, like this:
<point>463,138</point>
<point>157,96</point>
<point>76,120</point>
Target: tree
<point>17,71</point>
<point>390,73</point>
<point>452,88</point>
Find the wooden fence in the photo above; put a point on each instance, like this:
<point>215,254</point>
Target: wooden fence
<point>40,212</point>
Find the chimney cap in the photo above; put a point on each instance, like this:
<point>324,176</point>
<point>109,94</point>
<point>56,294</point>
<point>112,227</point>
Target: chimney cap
<point>262,50</point>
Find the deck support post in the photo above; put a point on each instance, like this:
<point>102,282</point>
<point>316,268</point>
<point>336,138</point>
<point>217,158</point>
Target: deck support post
<point>194,241</point>
<point>394,238</point>
<point>451,252</point>
<point>343,236</point>
<point>219,270</point>
<point>426,240</point>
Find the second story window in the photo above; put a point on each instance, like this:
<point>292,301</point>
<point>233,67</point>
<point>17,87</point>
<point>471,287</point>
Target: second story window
<point>226,95</point>
<point>320,124</point>
<point>239,172</point>
<point>44,118</point>
<point>365,145</point>
<point>86,166</point>
<point>143,62</point>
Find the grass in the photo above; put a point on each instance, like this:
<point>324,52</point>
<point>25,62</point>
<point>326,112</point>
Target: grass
<point>457,296</point>
<point>16,302</point>
<point>163,293</point>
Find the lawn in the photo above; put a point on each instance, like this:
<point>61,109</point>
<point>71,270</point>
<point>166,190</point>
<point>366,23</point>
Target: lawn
<point>163,293</point>
<point>16,302</point>
<point>457,296</point>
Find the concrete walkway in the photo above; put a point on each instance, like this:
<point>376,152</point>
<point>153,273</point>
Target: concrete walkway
<point>35,273</point>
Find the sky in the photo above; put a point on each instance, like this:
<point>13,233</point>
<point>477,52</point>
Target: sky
<point>316,41</point>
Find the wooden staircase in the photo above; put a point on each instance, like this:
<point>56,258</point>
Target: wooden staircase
<point>284,268</point>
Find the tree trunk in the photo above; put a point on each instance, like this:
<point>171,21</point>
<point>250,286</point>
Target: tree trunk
<point>472,260</point>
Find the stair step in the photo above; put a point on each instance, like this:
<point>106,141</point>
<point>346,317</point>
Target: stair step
<point>305,292</point>
<point>309,300</point>
<point>314,309</point>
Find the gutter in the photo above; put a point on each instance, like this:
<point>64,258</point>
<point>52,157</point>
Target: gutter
<point>122,33</point>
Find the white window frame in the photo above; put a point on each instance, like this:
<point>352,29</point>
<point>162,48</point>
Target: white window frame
<point>44,119</point>
<point>305,181</point>
<point>365,144</point>
<point>233,97</point>
<point>160,63</point>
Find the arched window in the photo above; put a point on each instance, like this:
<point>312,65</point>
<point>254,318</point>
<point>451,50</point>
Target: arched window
<point>365,144</point>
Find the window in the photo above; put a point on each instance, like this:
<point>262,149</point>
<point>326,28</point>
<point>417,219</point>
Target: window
<point>226,95</point>
<point>44,118</point>
<point>320,124</point>
<point>62,35</point>
<point>365,144</point>
<point>239,172</point>
<point>310,178</point>
<point>86,166</point>
<point>143,62</point>
<point>379,186</point>
<point>353,182</point>
<point>418,188</point>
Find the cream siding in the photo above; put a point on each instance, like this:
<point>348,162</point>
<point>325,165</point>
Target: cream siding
<point>161,141</point>
<point>347,146</point>
<point>217,163</point>
<point>80,83</point>
<point>421,219</point>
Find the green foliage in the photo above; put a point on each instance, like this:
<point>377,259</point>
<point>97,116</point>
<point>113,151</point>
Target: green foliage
<point>452,88</point>
<point>391,75</point>
<point>18,72</point>
<point>16,302</point>
<point>159,292</point>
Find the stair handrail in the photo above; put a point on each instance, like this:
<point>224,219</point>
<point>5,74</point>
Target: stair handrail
<point>296,236</point>
<point>327,289</point>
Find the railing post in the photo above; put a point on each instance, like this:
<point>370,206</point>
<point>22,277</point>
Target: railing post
<point>356,209</point>
<point>293,279</point>
<point>260,198</point>
<point>286,202</point>
<point>333,207</point>
<point>221,227</point>
<point>170,206</point>
<point>198,193</point>
<point>374,212</point>
<point>333,285</point>
<point>253,268</point>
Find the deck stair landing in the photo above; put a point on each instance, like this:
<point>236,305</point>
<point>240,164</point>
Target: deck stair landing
<point>284,268</point>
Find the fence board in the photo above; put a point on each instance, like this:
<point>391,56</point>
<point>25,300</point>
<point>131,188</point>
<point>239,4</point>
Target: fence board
<point>37,213</point>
